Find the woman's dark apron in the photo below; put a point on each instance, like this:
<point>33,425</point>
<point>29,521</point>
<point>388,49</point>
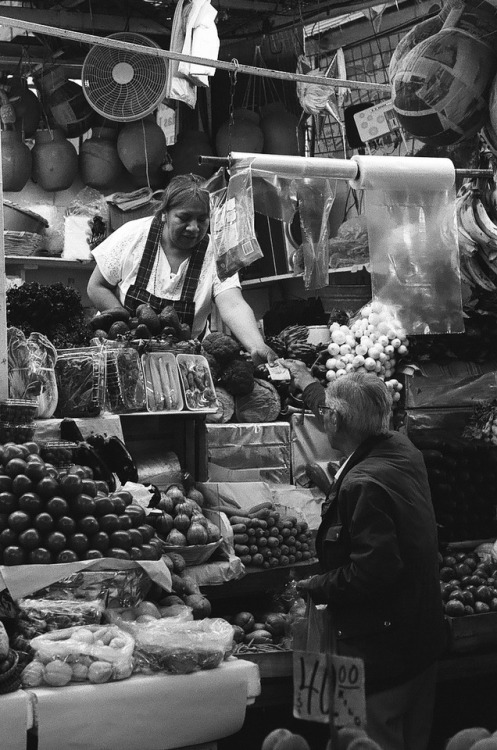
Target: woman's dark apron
<point>137,293</point>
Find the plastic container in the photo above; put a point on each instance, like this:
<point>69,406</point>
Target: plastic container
<point>318,335</point>
<point>16,433</point>
<point>18,411</point>
<point>162,382</point>
<point>19,219</point>
<point>80,375</point>
<point>194,554</point>
<point>124,380</point>
<point>197,383</point>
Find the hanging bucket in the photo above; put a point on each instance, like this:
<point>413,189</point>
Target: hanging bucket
<point>16,161</point>
<point>26,106</point>
<point>99,162</point>
<point>141,146</point>
<point>64,103</point>
<point>280,128</point>
<point>55,160</point>
<point>184,154</point>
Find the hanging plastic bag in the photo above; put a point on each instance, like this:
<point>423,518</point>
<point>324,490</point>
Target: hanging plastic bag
<point>86,222</point>
<point>232,222</point>
<point>315,196</point>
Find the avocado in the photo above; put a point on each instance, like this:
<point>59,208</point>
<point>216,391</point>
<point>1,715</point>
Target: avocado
<point>150,318</point>
<point>119,328</point>
<point>118,313</point>
<point>101,321</point>
<point>186,331</point>
<point>169,318</point>
<point>142,332</point>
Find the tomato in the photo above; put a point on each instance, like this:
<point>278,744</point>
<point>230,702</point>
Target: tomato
<point>120,539</point>
<point>89,487</point>
<point>15,466</point>
<point>4,521</point>
<point>8,502</point>
<point>56,541</point>
<point>77,470</point>
<point>67,555</point>
<point>109,523</point>
<point>118,553</point>
<point>44,522</point>
<point>19,520</point>
<point>5,483</point>
<point>47,487</point>
<point>70,485</point>
<point>14,555</point>
<point>93,554</point>
<point>125,522</point>
<point>66,525</point>
<point>136,513</point>
<point>136,553</point>
<point>21,484</point>
<point>103,505</point>
<point>119,505</point>
<point>8,537</point>
<point>102,486</point>
<point>36,470</point>
<point>100,541</point>
<point>83,505</point>
<point>40,556</point>
<point>136,537</point>
<point>10,451</point>
<point>78,542</point>
<point>88,525</point>
<point>57,506</point>
<point>124,495</point>
<point>146,531</point>
<point>149,553</point>
<point>29,539</point>
<point>32,447</point>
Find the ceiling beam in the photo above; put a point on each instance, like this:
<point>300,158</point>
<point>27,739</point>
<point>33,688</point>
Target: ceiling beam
<point>85,22</point>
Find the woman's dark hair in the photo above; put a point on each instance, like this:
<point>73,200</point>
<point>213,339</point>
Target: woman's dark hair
<point>183,189</point>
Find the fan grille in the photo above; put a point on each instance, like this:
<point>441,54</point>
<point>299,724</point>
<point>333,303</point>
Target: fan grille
<point>124,85</point>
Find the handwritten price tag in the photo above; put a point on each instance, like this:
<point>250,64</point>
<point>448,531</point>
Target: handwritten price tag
<point>311,685</point>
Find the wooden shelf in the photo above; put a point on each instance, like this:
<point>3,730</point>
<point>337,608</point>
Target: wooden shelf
<point>257,581</point>
<point>253,283</point>
<point>39,261</point>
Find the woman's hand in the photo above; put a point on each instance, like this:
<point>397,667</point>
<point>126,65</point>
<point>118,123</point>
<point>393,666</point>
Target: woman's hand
<point>263,353</point>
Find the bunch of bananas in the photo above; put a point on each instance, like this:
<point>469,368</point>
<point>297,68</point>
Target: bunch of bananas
<point>477,233</point>
<point>291,343</point>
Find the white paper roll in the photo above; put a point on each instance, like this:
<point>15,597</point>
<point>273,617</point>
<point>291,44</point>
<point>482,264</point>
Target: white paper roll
<point>406,173</point>
<point>296,166</point>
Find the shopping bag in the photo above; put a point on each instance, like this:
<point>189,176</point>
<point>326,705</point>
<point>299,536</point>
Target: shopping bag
<point>326,686</point>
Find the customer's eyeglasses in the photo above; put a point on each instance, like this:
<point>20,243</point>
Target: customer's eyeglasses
<point>323,409</point>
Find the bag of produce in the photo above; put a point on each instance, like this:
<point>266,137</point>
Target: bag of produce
<point>38,616</point>
<point>119,588</point>
<point>44,356</point>
<point>92,653</point>
<point>124,382</point>
<point>177,646</point>
<point>80,374</point>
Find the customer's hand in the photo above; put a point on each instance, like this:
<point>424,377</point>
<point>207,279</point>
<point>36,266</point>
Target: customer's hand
<point>300,373</point>
<point>303,587</point>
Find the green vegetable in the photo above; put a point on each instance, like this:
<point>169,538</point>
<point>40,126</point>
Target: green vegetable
<point>222,347</point>
<point>238,377</point>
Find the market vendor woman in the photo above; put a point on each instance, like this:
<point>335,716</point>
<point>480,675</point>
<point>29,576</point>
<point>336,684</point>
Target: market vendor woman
<point>168,259</point>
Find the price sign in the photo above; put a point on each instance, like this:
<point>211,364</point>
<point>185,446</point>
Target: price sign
<point>311,685</point>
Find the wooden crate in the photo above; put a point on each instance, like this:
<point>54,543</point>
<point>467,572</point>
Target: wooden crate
<point>472,632</point>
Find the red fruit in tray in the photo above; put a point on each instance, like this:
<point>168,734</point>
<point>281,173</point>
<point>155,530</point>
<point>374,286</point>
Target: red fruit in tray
<point>57,506</point>
<point>21,484</point>
<point>40,556</point>
<point>29,539</point>
<point>454,608</point>
<point>109,523</point>
<point>8,502</point>
<point>67,555</point>
<point>44,522</point>
<point>19,520</point>
<point>71,485</point>
<point>14,555</point>
<point>103,505</point>
<point>78,542</point>
<point>56,541</point>
<point>66,525</point>
<point>100,541</point>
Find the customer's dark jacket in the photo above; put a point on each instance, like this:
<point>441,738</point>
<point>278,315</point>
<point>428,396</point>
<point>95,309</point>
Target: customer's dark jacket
<point>377,543</point>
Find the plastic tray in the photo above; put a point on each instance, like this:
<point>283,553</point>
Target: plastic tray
<point>162,383</point>
<point>194,400</point>
<point>195,554</point>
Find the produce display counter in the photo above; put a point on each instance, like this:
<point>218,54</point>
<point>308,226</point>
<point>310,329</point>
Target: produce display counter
<point>158,712</point>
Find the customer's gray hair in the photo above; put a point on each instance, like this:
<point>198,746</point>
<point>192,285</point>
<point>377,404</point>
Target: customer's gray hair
<point>363,403</point>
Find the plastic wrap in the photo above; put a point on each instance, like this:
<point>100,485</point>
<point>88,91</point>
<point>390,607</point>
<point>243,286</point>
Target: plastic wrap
<point>124,381</point>
<point>162,385</point>
<point>180,647</point>
<point>117,588</point>
<point>413,246</point>
<point>24,381</point>
<point>350,247</point>
<point>453,384</point>
<point>196,380</point>
<point>316,198</point>
<point>38,616</point>
<point>43,357</point>
<point>232,222</point>
<point>80,375</point>
<point>93,653</point>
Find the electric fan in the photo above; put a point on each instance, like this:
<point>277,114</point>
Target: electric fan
<point>124,85</point>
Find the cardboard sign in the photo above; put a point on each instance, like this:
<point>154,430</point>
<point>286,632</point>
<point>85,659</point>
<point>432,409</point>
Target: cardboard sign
<point>311,685</point>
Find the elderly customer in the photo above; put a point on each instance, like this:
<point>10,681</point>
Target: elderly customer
<point>377,545</point>
<point>168,259</point>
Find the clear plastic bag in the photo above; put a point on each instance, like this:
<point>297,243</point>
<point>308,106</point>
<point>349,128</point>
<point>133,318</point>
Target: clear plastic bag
<point>93,653</point>
<point>117,588</point>
<point>124,382</point>
<point>316,197</point>
<point>80,375</point>
<point>232,222</point>
<point>179,646</point>
<point>43,357</point>
<point>86,223</point>
<point>38,616</point>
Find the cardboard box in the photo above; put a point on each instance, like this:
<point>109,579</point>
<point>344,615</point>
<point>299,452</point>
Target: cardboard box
<point>251,452</point>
